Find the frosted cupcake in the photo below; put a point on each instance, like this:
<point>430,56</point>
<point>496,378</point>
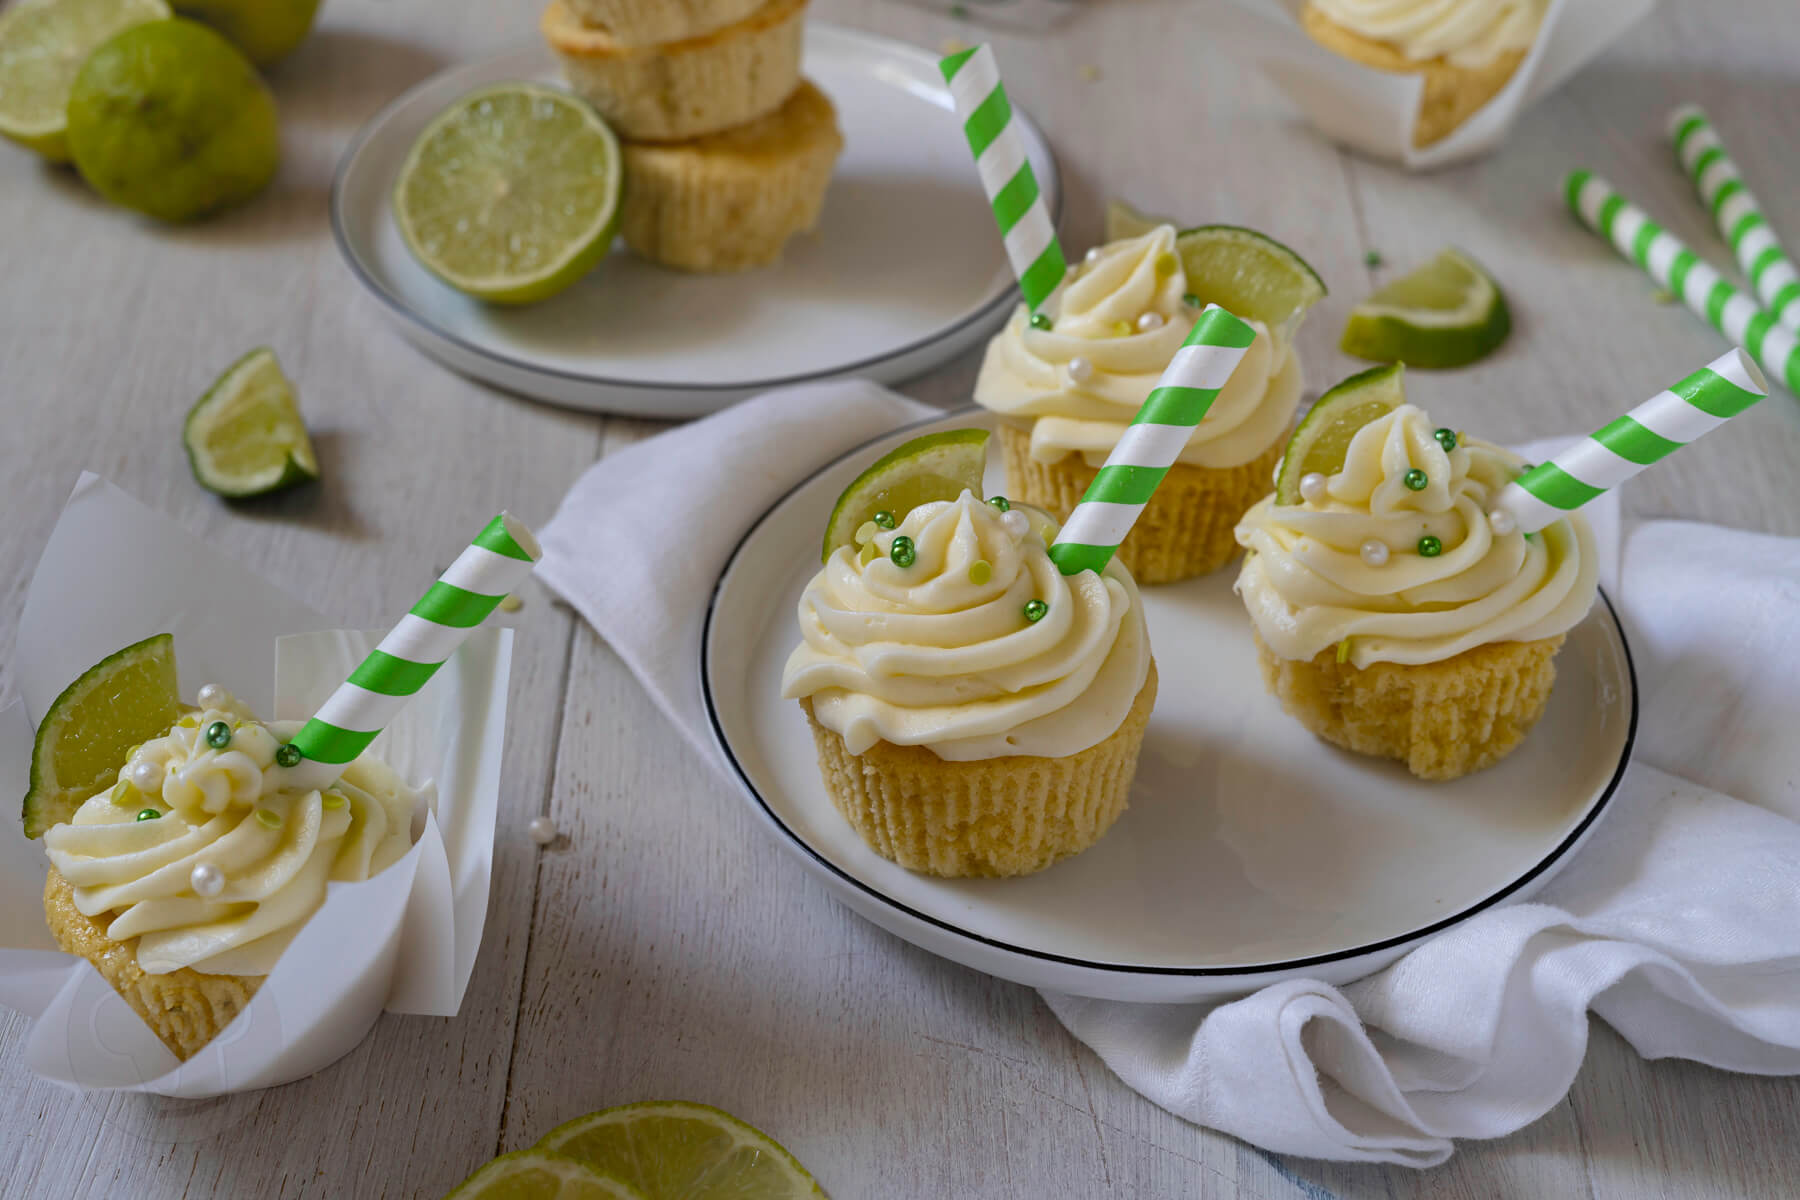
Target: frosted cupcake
<point>1465,49</point>
<point>975,711</point>
<point>1392,616</point>
<point>184,880</point>
<point>1070,379</point>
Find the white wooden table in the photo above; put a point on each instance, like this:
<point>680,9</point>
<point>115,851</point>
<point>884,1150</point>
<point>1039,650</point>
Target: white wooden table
<point>667,947</point>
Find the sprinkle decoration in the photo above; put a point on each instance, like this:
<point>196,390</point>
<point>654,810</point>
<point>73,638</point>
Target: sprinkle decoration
<point>1080,370</point>
<point>1191,300</point>
<point>145,776</point>
<point>207,880</point>
<point>1006,175</point>
<point>1416,480</point>
<point>1150,321</point>
<point>543,830</point>
<point>1614,453</point>
<point>1374,552</point>
<point>1430,547</point>
<point>268,818</point>
<point>980,571</point>
<point>288,755</point>
<point>884,519</point>
<point>496,563</point>
<point>332,801</point>
<point>1674,266</point>
<point>218,735</point>
<point>1035,610</point>
<point>123,794</point>
<point>1040,322</point>
<point>1312,487</point>
<point>901,551</point>
<point>149,814</point>
<point>1152,442</point>
<point>1445,438</point>
<point>1737,214</point>
<point>1000,502</point>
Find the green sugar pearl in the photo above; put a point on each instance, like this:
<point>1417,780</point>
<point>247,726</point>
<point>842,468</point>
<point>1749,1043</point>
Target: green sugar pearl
<point>1000,502</point>
<point>980,572</point>
<point>1035,610</point>
<point>288,755</point>
<point>148,814</point>
<point>1191,300</point>
<point>268,818</point>
<point>1415,480</point>
<point>1040,321</point>
<point>901,551</point>
<point>1445,438</point>
<point>884,520</point>
<point>1430,547</point>
<point>218,735</point>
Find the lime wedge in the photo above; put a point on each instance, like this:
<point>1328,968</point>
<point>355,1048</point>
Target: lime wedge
<point>124,699</point>
<point>512,193</point>
<point>245,436</point>
<point>937,466</point>
<point>1124,221</point>
<point>1448,313</point>
<point>1251,275</point>
<point>671,1150</point>
<point>538,1175</point>
<point>1323,438</point>
<point>42,46</point>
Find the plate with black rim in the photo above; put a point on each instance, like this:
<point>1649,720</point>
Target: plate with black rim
<point>904,272</point>
<point>1251,852</point>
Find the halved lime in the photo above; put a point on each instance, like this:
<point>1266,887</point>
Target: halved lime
<point>1447,313</point>
<point>672,1150</point>
<point>512,193</point>
<point>42,46</point>
<point>937,466</point>
<point>1323,438</point>
<point>539,1175</point>
<point>124,699</point>
<point>245,436</point>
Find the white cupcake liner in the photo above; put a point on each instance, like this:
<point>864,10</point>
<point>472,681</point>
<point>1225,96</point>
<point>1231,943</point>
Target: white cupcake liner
<point>405,941</point>
<point>1375,111</point>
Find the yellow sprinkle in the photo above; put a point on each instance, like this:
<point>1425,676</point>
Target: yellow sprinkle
<point>953,46</point>
<point>189,722</point>
<point>133,752</point>
<point>1088,72</point>
<point>1343,651</point>
<point>865,533</point>
<point>980,572</point>
<point>511,603</point>
<point>870,552</point>
<point>124,795</point>
<point>1166,264</point>
<point>268,818</point>
<point>334,800</point>
<point>1121,328</point>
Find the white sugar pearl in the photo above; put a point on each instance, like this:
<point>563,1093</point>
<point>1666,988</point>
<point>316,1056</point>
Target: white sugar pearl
<point>206,880</point>
<point>1092,256</point>
<point>542,830</point>
<point>146,776</point>
<point>213,696</point>
<point>1501,521</point>
<point>1312,487</point>
<point>1149,321</point>
<point>1080,370</point>
<point>1016,522</point>
<point>1374,552</point>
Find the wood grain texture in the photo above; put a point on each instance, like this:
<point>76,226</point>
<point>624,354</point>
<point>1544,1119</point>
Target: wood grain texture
<point>665,946</point>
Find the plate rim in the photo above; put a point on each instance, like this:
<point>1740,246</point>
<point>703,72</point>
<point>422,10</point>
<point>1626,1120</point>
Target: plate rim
<point>397,306</point>
<point>798,845</point>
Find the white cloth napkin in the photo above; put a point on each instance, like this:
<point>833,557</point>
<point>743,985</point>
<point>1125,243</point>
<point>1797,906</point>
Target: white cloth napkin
<point>1679,923</point>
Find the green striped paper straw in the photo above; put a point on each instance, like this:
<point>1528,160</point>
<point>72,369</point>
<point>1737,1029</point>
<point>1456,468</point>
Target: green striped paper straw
<point>1648,433</point>
<point>496,563</point>
<point>1152,442</point>
<point>1735,211</point>
<point>1006,175</point>
<point>1680,270</point>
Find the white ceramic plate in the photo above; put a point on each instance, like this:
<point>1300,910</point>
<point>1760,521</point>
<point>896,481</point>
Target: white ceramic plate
<point>905,270</point>
<point>1252,851</point>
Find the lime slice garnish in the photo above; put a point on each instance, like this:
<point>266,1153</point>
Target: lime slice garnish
<point>42,46</point>
<point>539,1175</point>
<point>1323,438</point>
<point>937,466</point>
<point>124,699</point>
<point>245,436</point>
<point>512,193</point>
<point>1448,313</point>
<point>1245,272</point>
<point>671,1150</point>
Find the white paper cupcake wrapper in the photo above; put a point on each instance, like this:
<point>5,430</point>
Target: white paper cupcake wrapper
<point>404,941</point>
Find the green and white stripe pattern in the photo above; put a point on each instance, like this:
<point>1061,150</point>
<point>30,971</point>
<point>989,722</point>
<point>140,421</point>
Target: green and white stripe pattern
<point>1648,433</point>
<point>1006,175</point>
<point>1681,271</point>
<point>498,562</point>
<point>1740,219</point>
<point>1152,442</point>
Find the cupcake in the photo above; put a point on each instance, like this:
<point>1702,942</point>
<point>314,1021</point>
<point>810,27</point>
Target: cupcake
<point>1466,50</point>
<point>183,881</point>
<point>646,22</point>
<point>1394,617</point>
<point>1069,380</point>
<point>975,711</point>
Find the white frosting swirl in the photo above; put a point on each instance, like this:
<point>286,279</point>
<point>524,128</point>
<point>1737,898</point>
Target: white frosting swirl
<point>925,655</point>
<point>1469,33</point>
<point>1308,586</point>
<point>1096,318</point>
<point>276,848</point>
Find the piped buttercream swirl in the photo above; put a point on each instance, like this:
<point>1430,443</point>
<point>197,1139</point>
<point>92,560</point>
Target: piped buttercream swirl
<point>1469,33</point>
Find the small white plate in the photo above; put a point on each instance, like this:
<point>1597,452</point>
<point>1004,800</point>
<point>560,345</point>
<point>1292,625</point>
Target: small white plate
<point>1252,851</point>
<point>904,272</point>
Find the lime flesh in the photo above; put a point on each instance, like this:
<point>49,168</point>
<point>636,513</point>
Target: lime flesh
<point>43,44</point>
<point>1323,438</point>
<point>124,699</point>
<point>511,194</point>
<point>938,466</point>
<point>245,436</point>
<point>671,1150</point>
<point>539,1175</point>
<point>1247,273</point>
<point>1447,313</point>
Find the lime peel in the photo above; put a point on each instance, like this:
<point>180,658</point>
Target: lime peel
<point>674,1150</point>
<point>245,437</point>
<point>1446,313</point>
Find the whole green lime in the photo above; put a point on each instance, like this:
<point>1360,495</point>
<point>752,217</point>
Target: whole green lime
<point>168,118</point>
<point>265,30</point>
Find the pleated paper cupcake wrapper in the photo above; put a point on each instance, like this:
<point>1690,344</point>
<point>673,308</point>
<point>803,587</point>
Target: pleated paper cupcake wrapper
<point>1375,111</point>
<point>403,941</point>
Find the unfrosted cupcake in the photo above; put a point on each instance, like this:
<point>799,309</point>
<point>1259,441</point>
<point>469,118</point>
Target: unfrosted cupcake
<point>1466,50</point>
<point>975,711</point>
<point>1394,617</point>
<point>1070,379</point>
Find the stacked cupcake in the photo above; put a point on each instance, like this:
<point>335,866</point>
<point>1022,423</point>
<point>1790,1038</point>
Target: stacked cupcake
<point>727,149</point>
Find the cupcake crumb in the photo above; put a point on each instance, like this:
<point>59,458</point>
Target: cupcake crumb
<point>1088,72</point>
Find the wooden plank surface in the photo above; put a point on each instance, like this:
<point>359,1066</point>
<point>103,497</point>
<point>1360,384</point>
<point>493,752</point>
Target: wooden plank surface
<point>665,946</point>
